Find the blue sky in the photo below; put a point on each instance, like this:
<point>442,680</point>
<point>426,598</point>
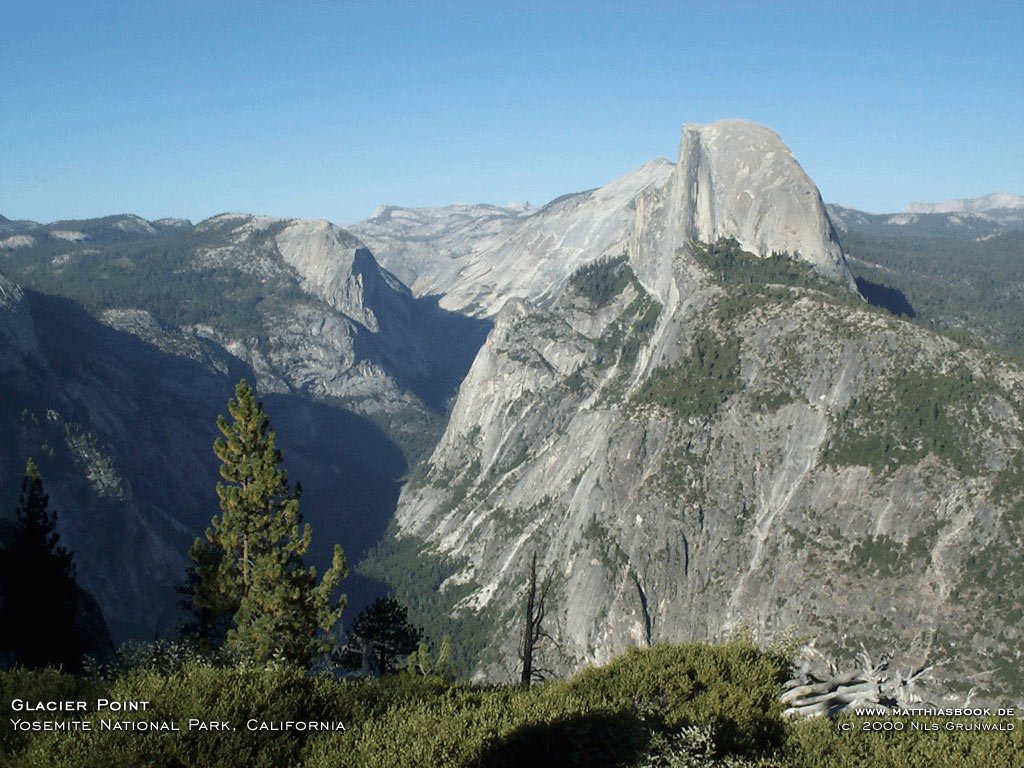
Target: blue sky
<point>325,110</point>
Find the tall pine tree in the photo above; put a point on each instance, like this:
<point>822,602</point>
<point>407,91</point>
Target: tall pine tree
<point>45,617</point>
<point>249,565</point>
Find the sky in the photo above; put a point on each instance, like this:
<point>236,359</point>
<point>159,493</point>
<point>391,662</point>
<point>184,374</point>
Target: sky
<point>328,109</point>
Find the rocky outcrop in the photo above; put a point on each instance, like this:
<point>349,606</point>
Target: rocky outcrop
<point>17,334</point>
<point>734,179</point>
<point>334,266</point>
<point>477,257</point>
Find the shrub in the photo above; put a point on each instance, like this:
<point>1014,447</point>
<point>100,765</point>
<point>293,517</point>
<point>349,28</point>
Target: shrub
<point>34,685</point>
<point>819,744</point>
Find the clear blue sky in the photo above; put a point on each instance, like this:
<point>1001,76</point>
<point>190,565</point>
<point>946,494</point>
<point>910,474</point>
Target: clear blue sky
<point>327,109</point>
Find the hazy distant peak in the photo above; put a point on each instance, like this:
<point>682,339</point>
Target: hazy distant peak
<point>386,213</point>
<point>519,206</point>
<point>479,256</point>
<point>12,226</point>
<point>172,222</point>
<point>992,202</point>
<point>251,222</point>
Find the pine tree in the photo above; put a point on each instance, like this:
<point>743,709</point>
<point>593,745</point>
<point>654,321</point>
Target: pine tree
<point>250,564</point>
<point>44,615</point>
<point>381,634</point>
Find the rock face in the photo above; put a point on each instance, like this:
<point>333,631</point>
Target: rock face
<point>738,180</point>
<point>695,440</point>
<point>734,179</point>
<point>479,256</point>
<point>17,334</point>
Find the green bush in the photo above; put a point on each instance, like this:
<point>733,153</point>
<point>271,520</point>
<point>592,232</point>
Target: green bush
<point>35,685</point>
<point>671,706</point>
<point>602,280</point>
<point>820,744</point>
<point>732,687</point>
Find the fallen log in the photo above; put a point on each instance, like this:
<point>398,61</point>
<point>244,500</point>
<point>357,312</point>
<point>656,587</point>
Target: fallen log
<point>812,694</point>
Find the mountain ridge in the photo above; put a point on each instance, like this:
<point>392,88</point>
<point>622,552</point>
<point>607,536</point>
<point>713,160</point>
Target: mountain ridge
<point>991,202</point>
<point>348,361</point>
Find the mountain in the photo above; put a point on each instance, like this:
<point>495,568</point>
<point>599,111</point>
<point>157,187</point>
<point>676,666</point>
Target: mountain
<point>303,302</point>
<point>477,257</point>
<point>126,344</point>
<point>9,227</point>
<point>997,201</point>
<point>671,389</point>
<point>930,226</point>
<point>713,430</point>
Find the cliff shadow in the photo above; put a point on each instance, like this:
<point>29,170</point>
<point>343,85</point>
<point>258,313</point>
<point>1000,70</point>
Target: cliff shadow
<point>430,353</point>
<point>886,297</point>
<point>582,739</point>
<point>350,472</point>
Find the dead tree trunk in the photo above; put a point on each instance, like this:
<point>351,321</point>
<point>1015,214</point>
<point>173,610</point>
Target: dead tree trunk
<point>533,624</point>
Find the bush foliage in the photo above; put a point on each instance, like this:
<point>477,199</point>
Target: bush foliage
<point>670,705</point>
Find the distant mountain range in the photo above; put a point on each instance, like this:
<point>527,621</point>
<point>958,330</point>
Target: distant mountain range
<point>963,225</point>
<point>997,201</point>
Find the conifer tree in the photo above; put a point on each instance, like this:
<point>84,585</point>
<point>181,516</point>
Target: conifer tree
<point>250,564</point>
<point>43,612</point>
<point>381,634</point>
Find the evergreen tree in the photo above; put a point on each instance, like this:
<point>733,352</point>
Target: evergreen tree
<point>381,635</point>
<point>211,610</point>
<point>44,615</point>
<point>250,564</point>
